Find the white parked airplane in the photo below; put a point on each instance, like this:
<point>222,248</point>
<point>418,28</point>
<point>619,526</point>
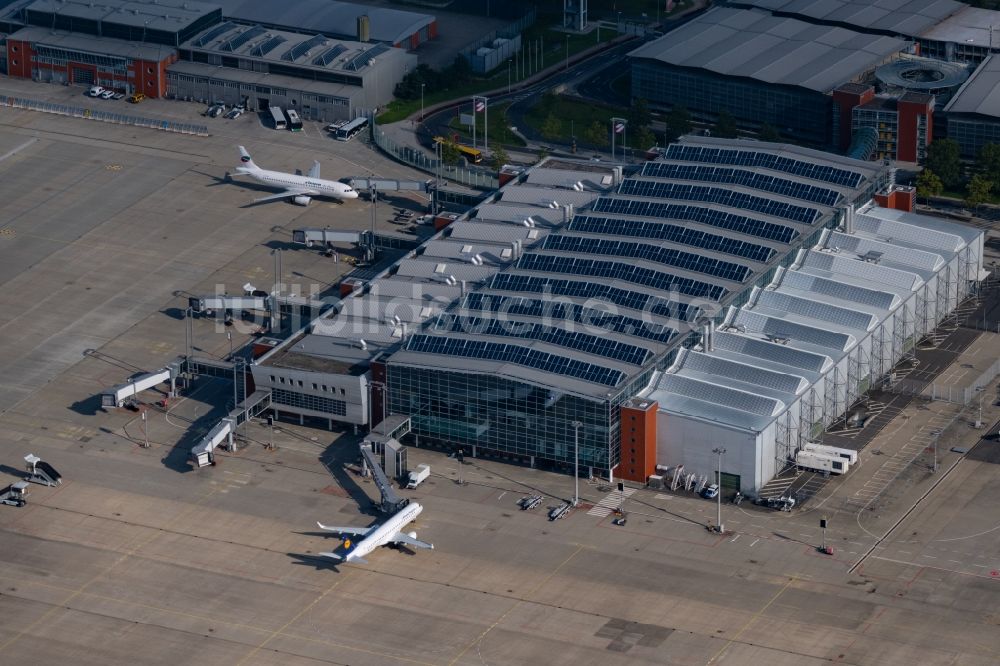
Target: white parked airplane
<point>299,188</point>
<point>371,538</point>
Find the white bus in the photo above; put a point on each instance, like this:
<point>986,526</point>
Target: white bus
<point>278,117</point>
<point>347,131</point>
<point>294,123</point>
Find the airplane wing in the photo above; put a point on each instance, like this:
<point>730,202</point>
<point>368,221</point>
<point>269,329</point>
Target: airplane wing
<point>291,192</point>
<point>356,531</point>
<point>401,537</point>
<point>314,172</point>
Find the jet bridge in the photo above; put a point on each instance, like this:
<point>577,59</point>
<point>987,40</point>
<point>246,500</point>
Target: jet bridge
<point>41,472</point>
<point>119,395</point>
<point>391,501</point>
<point>203,453</point>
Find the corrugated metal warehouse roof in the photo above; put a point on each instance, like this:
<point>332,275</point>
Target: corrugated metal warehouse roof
<point>329,17</point>
<point>904,17</point>
<point>754,44</point>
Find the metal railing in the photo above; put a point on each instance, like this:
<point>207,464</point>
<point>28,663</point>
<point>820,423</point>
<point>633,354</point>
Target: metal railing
<point>959,395</point>
<point>102,116</point>
<point>480,178</point>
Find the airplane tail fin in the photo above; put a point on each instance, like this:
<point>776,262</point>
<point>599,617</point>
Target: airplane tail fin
<point>246,160</point>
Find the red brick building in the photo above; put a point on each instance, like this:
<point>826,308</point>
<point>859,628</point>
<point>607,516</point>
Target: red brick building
<point>74,58</point>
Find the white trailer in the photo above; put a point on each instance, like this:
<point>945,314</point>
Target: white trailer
<point>418,476</point>
<point>818,462</point>
<point>848,454</point>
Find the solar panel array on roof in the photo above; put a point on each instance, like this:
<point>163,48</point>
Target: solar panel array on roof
<point>718,195</point>
<point>328,56</point>
<point>670,232</point>
<point>823,172</point>
<point>531,358</point>
<point>757,181</point>
<point>860,270</point>
<point>661,255</point>
<point>361,60</point>
<point>616,270</point>
<point>244,37</point>
<point>584,342</point>
<point>214,32</point>
<point>267,46</point>
<point>770,351</point>
<point>847,292</point>
<point>741,372</point>
<point>302,48</point>
<point>626,298</point>
<point>590,318</point>
<point>779,328</point>
<point>814,309</point>
<point>719,395</point>
<point>702,214</point>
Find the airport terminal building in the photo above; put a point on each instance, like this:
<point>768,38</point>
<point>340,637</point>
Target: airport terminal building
<point>733,293</point>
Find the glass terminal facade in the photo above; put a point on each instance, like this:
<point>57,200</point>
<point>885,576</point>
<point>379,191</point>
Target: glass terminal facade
<point>510,417</point>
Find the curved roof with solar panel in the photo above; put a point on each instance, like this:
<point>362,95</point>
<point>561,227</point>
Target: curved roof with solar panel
<point>624,272</point>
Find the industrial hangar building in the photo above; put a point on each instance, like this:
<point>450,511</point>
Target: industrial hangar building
<point>974,112</point>
<point>763,69</point>
<point>322,78</point>
<point>340,20</point>
<point>733,293</point>
<point>195,50</point>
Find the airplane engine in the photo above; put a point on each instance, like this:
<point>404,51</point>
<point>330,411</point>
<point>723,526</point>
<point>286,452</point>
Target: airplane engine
<point>412,535</point>
<point>301,200</point>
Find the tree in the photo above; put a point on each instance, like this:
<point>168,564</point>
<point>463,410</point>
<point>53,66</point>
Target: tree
<point>500,156</point>
<point>768,133</point>
<point>638,114</point>
<point>596,134</point>
<point>449,152</point>
<point>725,126</point>
<point>678,122</point>
<point>643,139</point>
<point>978,191</point>
<point>928,184</point>
<point>988,163</point>
<point>943,159</point>
<point>552,127</point>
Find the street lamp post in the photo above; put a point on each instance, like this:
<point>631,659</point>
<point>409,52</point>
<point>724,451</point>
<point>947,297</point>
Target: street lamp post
<point>508,76</point>
<point>422,101</point>
<point>982,394</point>
<point>229,336</point>
<point>576,462</point>
<point>567,52</point>
<point>937,435</point>
<point>718,495</point>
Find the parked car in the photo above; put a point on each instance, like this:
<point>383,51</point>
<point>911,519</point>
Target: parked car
<point>216,110</point>
<point>107,94</point>
<point>135,98</point>
<point>235,112</point>
<point>95,91</point>
<point>710,491</point>
<point>119,95</point>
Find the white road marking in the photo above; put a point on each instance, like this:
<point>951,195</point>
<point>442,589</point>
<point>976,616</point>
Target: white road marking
<point>754,543</point>
<point>735,538</point>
